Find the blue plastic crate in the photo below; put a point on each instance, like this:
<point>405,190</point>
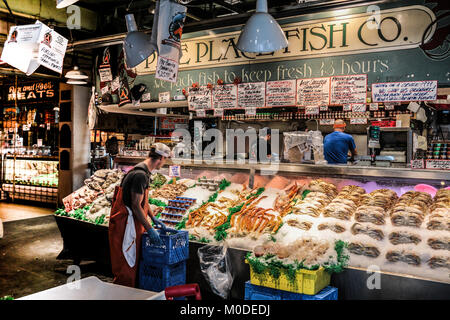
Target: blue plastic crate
<point>175,248</point>
<point>254,292</point>
<point>158,278</point>
<point>327,293</point>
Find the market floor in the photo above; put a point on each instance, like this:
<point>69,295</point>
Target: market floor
<point>28,263</point>
<point>13,211</point>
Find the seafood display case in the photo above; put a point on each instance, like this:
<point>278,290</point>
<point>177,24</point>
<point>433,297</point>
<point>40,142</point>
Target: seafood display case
<point>30,178</point>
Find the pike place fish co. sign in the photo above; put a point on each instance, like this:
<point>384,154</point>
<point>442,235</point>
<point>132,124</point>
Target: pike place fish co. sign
<point>391,29</point>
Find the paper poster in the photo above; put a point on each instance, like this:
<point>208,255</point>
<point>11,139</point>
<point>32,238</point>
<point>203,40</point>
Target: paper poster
<point>373,107</point>
<point>348,89</point>
<point>164,97</point>
<point>438,164</point>
<point>104,69</point>
<point>326,122</point>
<point>314,91</point>
<point>404,91</point>
<point>252,95</point>
<point>170,29</point>
<point>280,93</point>
<point>224,96</point>
<point>200,98</point>
<point>30,46</point>
<point>312,110</point>
<point>358,120</point>
<point>360,107</point>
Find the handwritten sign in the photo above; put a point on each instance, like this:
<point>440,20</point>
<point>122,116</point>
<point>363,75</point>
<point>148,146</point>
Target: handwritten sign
<point>252,95</point>
<point>314,91</point>
<point>417,164</point>
<point>164,97</point>
<point>358,121</point>
<point>310,110</point>
<point>326,122</point>
<point>174,171</point>
<point>438,164</point>
<point>404,91</point>
<point>347,107</point>
<point>389,106</point>
<point>348,89</point>
<point>323,108</point>
<point>224,96</point>
<point>280,93</point>
<point>166,69</point>
<point>201,113</point>
<point>200,98</point>
<point>218,112</point>
<point>359,107</point>
<point>250,111</point>
<point>373,107</point>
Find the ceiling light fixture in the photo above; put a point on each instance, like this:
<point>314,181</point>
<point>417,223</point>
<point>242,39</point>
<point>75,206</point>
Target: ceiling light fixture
<point>76,73</point>
<point>75,81</point>
<point>261,33</point>
<point>137,45</point>
<point>64,3</point>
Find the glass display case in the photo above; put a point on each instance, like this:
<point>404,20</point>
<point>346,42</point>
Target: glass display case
<point>396,222</point>
<point>32,178</point>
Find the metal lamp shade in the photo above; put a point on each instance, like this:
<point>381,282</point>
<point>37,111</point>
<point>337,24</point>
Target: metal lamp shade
<point>137,45</point>
<point>76,73</point>
<point>76,81</point>
<point>64,3</point>
<point>262,33</point>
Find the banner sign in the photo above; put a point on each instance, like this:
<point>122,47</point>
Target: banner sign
<point>404,91</point>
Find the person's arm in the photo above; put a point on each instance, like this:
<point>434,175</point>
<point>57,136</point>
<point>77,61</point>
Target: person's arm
<point>136,200</point>
<point>352,148</point>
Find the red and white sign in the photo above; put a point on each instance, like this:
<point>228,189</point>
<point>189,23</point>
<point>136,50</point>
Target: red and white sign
<point>280,93</point>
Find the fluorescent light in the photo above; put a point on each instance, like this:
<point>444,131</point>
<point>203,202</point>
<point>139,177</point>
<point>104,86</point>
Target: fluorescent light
<point>261,33</point>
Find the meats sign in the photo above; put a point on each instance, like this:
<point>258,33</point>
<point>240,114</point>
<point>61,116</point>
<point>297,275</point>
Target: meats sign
<point>391,29</point>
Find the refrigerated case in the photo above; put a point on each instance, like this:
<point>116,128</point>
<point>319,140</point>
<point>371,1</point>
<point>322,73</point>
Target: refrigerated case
<point>30,178</point>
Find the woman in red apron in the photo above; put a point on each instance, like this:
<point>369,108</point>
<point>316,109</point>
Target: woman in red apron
<point>126,227</point>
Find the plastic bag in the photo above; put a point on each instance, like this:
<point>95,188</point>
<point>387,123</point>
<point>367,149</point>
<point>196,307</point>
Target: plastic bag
<point>216,268</point>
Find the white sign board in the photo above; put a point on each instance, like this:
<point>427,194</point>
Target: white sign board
<point>326,122</point>
<point>164,97</point>
<point>312,110</point>
<point>174,171</point>
<point>200,98</point>
<point>224,96</point>
<point>348,89</point>
<point>280,93</point>
<point>167,69</point>
<point>252,95</point>
<point>404,91</point>
<point>314,91</point>
<point>438,164</point>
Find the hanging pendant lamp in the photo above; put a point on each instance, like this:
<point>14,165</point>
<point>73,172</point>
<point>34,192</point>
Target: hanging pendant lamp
<point>261,33</point>
<point>64,3</point>
<point>137,45</point>
<point>76,81</point>
<point>76,73</point>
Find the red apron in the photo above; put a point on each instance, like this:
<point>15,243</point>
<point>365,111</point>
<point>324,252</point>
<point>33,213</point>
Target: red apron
<point>123,273</point>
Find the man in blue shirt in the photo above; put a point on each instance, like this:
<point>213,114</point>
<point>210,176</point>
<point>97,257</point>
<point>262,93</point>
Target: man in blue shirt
<point>337,144</point>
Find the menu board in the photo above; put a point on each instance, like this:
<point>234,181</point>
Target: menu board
<point>348,89</point>
<point>252,95</point>
<point>314,91</point>
<point>224,96</point>
<point>280,93</point>
<point>200,98</point>
<point>404,91</point>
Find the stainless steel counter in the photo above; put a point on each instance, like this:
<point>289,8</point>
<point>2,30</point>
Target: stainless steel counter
<point>437,176</point>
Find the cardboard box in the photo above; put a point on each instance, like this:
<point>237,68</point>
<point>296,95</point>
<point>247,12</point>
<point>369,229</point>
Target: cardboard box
<point>403,120</point>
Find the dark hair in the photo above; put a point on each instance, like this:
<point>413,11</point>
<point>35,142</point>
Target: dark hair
<point>153,155</point>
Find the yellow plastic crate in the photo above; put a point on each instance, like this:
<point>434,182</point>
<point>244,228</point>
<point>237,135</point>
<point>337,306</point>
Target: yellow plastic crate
<point>306,281</point>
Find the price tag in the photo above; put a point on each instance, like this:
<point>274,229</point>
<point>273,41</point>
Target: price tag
<point>358,121</point>
<point>115,84</point>
<point>201,113</point>
<point>312,110</point>
<point>39,142</point>
<point>164,97</point>
<point>389,106</point>
<point>174,171</point>
<point>326,122</point>
<point>347,107</point>
<point>146,97</point>
<point>373,107</point>
<point>250,111</point>
<point>25,127</point>
<point>361,107</point>
<point>323,108</point>
<point>438,164</point>
<point>218,112</point>
<point>417,164</point>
